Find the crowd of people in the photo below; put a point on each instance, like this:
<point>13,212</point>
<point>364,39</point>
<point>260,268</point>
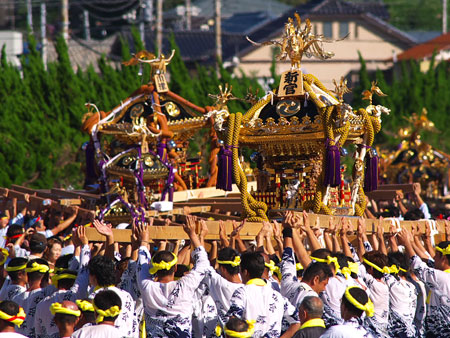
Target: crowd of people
<point>291,280</point>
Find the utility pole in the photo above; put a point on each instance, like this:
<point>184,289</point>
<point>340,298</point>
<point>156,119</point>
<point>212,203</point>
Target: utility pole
<point>159,25</point>
<point>218,31</point>
<point>65,19</point>
<point>44,33</point>
<point>188,15</point>
<point>86,25</point>
<point>444,16</point>
<point>142,24</point>
<point>30,15</point>
<point>148,12</point>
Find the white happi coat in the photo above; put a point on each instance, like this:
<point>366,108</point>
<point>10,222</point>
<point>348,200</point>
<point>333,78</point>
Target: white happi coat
<point>168,307</point>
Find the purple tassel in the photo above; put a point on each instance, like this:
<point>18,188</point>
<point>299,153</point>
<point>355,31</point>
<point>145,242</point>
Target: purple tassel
<point>225,172</point>
<point>91,176</point>
<point>333,166</point>
<point>371,173</point>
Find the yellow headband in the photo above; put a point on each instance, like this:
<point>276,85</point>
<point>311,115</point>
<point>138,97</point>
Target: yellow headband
<point>111,312</point>
<point>271,265</point>
<point>354,267</point>
<point>445,251</point>
<point>299,266</point>
<point>368,308</point>
<point>67,237</point>
<point>329,260</point>
<point>42,268</point>
<point>16,268</point>
<point>235,262</point>
<point>346,272</point>
<point>59,269</point>
<point>56,278</point>
<point>16,320</point>
<point>385,269</point>
<point>163,265</point>
<point>58,308</point>
<point>245,334</point>
<point>4,217</point>
<point>85,305</point>
<point>5,255</point>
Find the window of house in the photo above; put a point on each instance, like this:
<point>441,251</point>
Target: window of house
<point>327,30</point>
<point>343,28</point>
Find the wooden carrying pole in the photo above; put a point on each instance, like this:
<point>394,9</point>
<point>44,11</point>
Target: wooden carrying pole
<point>250,229</point>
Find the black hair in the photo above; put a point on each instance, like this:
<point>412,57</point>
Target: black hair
<point>321,253</point>
<point>66,283</point>
<point>228,254</point>
<point>237,325</point>
<point>36,275</point>
<point>314,269</point>
<point>377,258</point>
<point>181,270</point>
<point>399,258</point>
<point>313,306</point>
<point>105,300</point>
<point>253,263</point>
<point>63,261</point>
<point>38,243</point>
<point>359,295</point>
<point>414,215</point>
<point>10,308</point>
<point>164,256</point>
<point>103,269</point>
<point>341,258</point>
<point>17,261</point>
<point>443,245</point>
<point>14,230</point>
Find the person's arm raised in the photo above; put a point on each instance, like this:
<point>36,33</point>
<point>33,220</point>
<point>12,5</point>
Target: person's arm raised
<point>62,226</point>
<point>315,245</point>
<point>189,228</point>
<point>106,230</point>
<point>380,235</point>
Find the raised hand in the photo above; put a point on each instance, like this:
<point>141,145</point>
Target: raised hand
<point>361,226</point>
<point>380,228</point>
<point>189,226</point>
<point>404,236</point>
<point>81,234</point>
<point>276,229</point>
<point>141,233</point>
<point>102,228</point>
<point>237,228</point>
<point>203,228</point>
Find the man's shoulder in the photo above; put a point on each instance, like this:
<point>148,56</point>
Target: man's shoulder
<point>310,332</point>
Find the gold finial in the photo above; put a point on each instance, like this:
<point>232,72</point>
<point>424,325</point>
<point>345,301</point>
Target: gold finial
<point>368,94</point>
<point>341,88</point>
<point>251,97</point>
<point>158,64</point>
<point>224,96</point>
<point>297,41</point>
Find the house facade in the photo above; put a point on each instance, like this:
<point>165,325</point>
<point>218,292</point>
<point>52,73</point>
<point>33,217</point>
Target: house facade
<point>368,34</point>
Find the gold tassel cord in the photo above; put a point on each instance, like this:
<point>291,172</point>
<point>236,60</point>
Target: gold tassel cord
<point>254,210</point>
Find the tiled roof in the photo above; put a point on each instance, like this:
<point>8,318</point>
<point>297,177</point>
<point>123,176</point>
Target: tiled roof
<point>83,53</point>
<point>427,49</point>
<point>195,46</point>
<point>244,23</point>
<point>338,7</point>
<point>231,7</point>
